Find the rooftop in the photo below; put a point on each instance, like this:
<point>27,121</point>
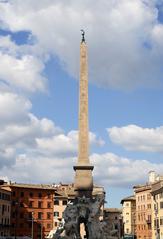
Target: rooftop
<point>143,187</point>
<point>34,186</point>
<point>113,210</point>
<point>130,198</point>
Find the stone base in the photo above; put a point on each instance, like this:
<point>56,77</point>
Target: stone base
<point>86,211</point>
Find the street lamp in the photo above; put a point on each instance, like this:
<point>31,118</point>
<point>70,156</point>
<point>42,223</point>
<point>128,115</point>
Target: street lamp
<point>16,217</point>
<point>32,224</point>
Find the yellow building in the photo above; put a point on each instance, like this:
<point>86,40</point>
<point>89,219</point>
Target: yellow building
<point>128,215</point>
<point>157,210</point>
<point>5,210</point>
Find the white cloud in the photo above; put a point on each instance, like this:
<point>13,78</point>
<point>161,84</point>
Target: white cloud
<point>113,170</point>
<point>65,145</point>
<point>23,73</point>
<point>20,68</point>
<point>133,137</point>
<point>110,169</point>
<point>27,141</point>
<point>19,128</point>
<point>13,108</point>
<point>129,55</point>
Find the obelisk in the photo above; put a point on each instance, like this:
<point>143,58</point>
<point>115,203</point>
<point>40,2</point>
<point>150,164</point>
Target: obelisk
<point>83,169</point>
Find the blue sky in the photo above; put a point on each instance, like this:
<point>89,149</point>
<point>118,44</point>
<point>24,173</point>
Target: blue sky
<point>39,68</point>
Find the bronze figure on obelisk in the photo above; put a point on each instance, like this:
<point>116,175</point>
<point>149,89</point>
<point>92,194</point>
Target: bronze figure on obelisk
<point>83,169</point>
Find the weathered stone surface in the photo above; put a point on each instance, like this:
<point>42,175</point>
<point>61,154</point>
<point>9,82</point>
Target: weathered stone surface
<point>83,169</point>
<point>87,211</point>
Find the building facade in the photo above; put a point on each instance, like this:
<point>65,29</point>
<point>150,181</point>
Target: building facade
<point>143,211</point>
<point>5,210</point>
<point>129,215</point>
<point>157,210</point>
<point>113,220</point>
<point>32,208</point>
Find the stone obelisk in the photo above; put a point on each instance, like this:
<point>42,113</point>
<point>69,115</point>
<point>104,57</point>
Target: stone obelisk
<point>86,208</point>
<point>83,169</point>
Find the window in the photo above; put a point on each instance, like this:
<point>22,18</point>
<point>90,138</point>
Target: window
<point>48,225</point>
<point>161,205</point>
<point>116,226</point>
<point>48,215</point>
<point>149,217</point>
<point>127,213</point>
<point>40,195</point>
<point>56,202</point>
<point>39,204</point>
<point>21,215</point>
<point>161,221</point>
<point>40,215</point>
<point>30,215</point>
<point>148,196</point>
<point>48,205</point>
<point>56,214</point>
<point>49,195</point>
<point>56,224</point>
<point>149,206</point>
<point>21,194</point>
<point>64,202</point>
<point>149,226</point>
<point>161,195</point>
<point>13,225</point>
<point>13,193</point>
<point>138,217</point>
<point>31,194</point>
<point>30,204</point>
<point>21,225</point>
<point>127,204</point>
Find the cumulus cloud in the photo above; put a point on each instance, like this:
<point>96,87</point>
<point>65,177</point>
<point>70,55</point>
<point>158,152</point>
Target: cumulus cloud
<point>19,128</point>
<point>19,69</point>
<point>65,145</point>
<point>110,169</point>
<point>129,55</point>
<point>26,140</point>
<point>114,170</point>
<point>52,155</point>
<point>133,137</point>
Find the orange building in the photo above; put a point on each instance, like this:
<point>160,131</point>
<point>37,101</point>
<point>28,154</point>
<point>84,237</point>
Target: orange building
<point>32,209</point>
<point>143,211</point>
